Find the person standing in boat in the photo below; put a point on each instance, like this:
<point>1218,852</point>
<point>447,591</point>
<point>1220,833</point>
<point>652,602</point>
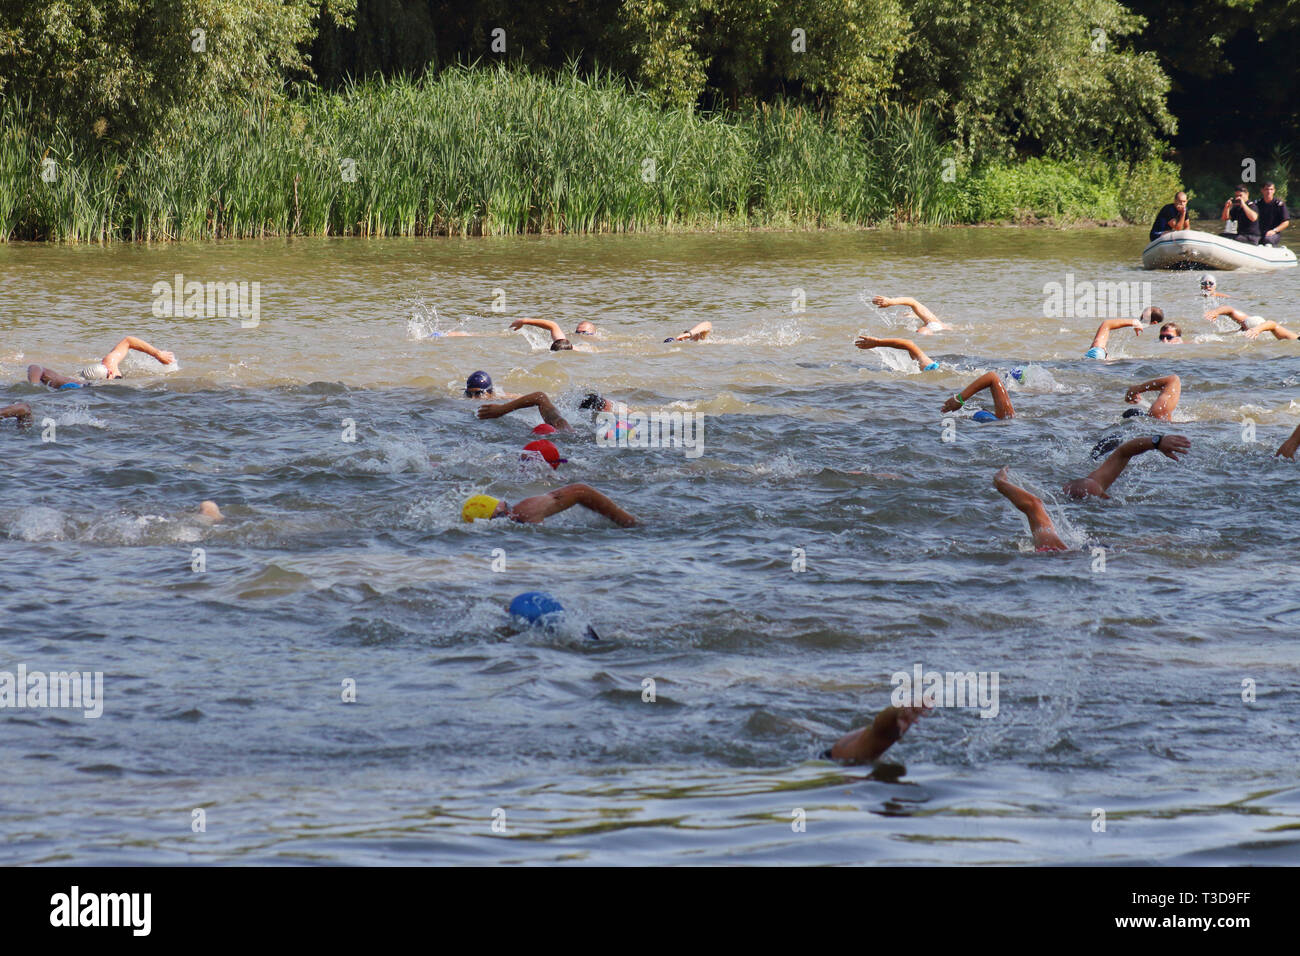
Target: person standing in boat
<point>1273,216</point>
<point>1171,217</point>
<point>1244,211</point>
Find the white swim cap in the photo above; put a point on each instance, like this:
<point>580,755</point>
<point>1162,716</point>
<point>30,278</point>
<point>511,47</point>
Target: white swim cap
<point>1207,282</point>
<point>95,372</point>
<point>1254,321</point>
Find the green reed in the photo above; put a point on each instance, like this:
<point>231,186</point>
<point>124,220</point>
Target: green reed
<point>479,151</point>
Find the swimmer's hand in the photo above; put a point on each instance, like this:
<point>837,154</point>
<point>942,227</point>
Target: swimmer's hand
<point>951,405</point>
<point>1288,448</point>
<point>1171,446</point>
<point>167,358</point>
<point>882,301</point>
<point>516,325</point>
<point>867,342</point>
<point>491,411</point>
<point>1131,395</point>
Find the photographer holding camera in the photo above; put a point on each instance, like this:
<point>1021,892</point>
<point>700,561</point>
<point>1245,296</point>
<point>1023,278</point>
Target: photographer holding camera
<point>1245,213</point>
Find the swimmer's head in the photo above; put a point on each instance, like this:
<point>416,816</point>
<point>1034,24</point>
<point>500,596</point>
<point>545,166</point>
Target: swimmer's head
<point>209,511</point>
<point>481,506</point>
<point>1107,444</point>
<point>561,345</point>
<point>596,403</point>
<point>1207,283</point>
<point>545,451</point>
<point>544,429</point>
<point>1171,333</point>
<point>585,328</point>
<point>478,385</point>
<point>984,416</point>
<point>1153,315</point>
<point>1133,413</point>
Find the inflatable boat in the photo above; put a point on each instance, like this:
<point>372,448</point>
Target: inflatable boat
<point>1189,249</point>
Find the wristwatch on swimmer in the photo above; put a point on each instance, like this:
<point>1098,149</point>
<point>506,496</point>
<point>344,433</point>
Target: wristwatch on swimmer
<point>1156,440</point>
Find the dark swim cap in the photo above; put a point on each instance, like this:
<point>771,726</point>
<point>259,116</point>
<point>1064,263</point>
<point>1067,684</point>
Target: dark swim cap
<point>1105,446</point>
<point>593,401</point>
<point>1133,412</point>
<point>479,381</point>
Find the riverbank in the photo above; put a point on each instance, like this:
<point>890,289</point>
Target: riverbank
<point>500,152</point>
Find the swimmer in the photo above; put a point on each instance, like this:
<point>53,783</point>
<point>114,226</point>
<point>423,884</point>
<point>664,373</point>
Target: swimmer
<point>1171,389</point>
<point>1001,400</point>
<point>558,342</point>
<point>479,387</point>
<point>537,509</point>
<point>1171,333</point>
<point>866,744</point>
<point>1287,450</point>
<point>1096,483</point>
<point>539,400</point>
<point>20,411</point>
<point>210,513</point>
<point>1209,288</point>
<point>1252,325</point>
<point>696,333</point>
<point>908,346</point>
<point>1040,522</point>
<point>106,368</point>
<point>1102,338</point>
<point>929,321</point>
<point>1152,315</point>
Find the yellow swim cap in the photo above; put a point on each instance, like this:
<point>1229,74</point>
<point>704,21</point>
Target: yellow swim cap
<point>480,506</point>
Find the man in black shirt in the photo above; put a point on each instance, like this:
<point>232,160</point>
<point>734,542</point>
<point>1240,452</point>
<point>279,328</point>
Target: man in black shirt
<point>1273,216</point>
<point>1171,216</point>
<point>1242,210</point>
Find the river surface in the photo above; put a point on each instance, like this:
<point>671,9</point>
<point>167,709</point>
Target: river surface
<point>1121,664</point>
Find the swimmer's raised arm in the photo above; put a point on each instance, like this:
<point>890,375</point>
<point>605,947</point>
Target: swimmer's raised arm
<point>1279,332</point>
<point>1031,506</point>
<point>1288,448</point>
<point>1171,389</point>
<point>991,381</point>
<point>19,410</point>
<point>928,319</point>
<point>540,507</point>
<point>539,400</point>
<point>1110,325</point>
<point>1171,446</point>
<point>1235,314</point>
<point>695,333</point>
<point>552,327</point>
<point>908,346</point>
<point>868,743</point>
<point>131,343</point>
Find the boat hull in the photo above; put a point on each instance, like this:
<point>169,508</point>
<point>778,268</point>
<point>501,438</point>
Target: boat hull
<point>1190,249</point>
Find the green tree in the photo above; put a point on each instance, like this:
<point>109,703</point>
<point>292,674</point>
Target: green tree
<point>1054,77</point>
<point>117,68</point>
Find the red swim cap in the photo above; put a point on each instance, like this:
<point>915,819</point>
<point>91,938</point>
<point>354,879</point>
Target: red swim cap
<point>544,429</point>
<point>544,450</point>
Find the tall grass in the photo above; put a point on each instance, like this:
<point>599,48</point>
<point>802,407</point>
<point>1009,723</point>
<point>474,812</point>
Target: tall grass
<point>477,151</point>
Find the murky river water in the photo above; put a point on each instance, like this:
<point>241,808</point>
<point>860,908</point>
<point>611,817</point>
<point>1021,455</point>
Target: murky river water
<point>1120,689</point>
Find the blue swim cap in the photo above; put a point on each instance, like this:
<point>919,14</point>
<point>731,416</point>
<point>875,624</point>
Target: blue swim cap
<point>932,367</point>
<point>1018,374</point>
<point>984,416</point>
<point>479,380</point>
<point>532,606</point>
<point>69,385</point>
